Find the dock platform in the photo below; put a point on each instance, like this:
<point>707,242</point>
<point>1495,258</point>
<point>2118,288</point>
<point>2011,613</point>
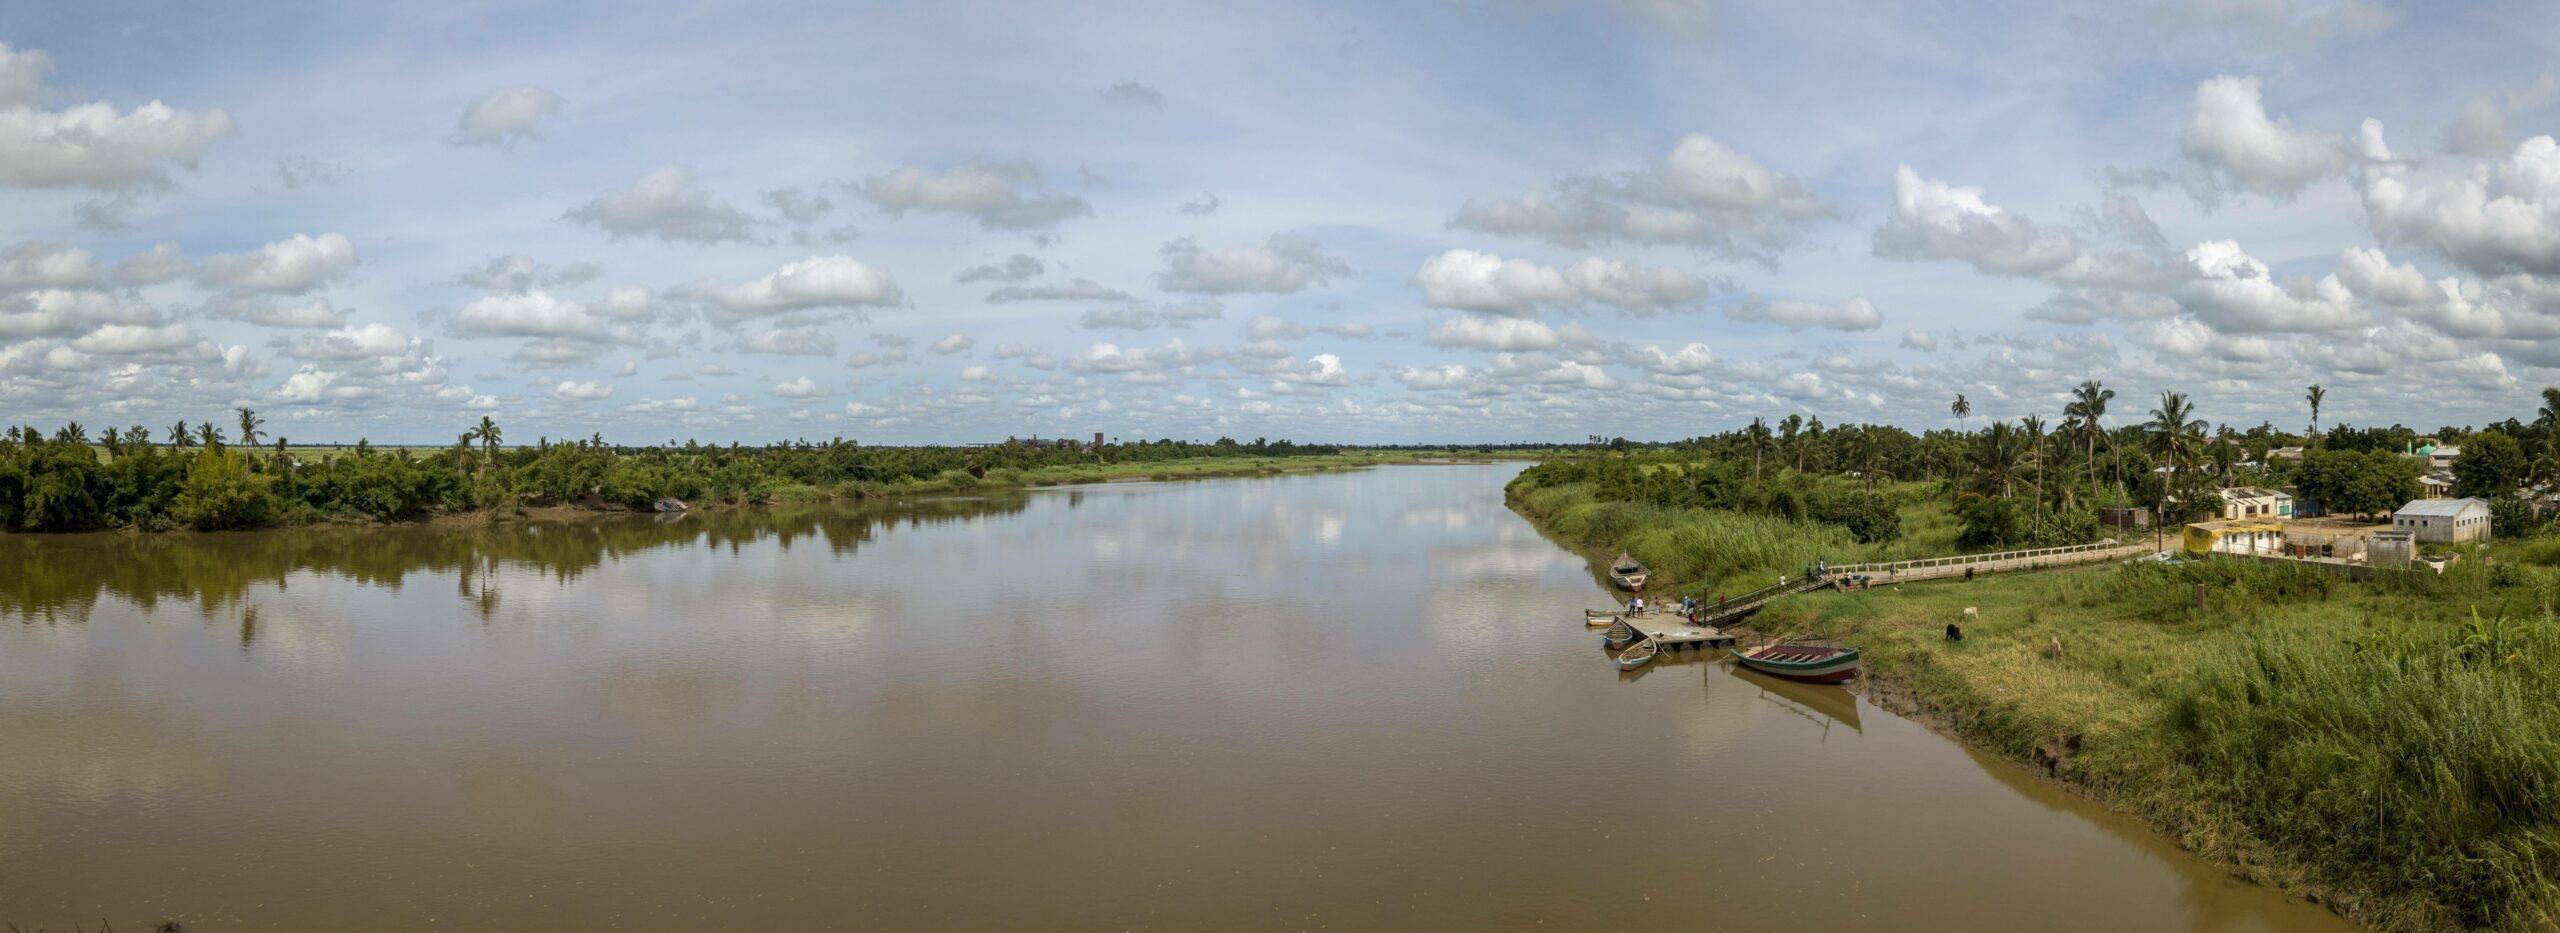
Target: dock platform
<point>1670,631</point>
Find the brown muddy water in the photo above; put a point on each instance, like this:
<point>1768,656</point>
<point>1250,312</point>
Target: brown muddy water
<point>1357,700</point>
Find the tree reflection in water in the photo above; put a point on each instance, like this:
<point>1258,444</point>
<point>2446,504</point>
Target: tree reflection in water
<point>60,578</point>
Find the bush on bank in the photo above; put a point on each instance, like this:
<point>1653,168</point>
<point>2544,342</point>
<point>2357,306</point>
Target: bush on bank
<point>65,482</point>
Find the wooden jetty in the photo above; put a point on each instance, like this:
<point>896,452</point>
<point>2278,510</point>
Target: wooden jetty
<point>1672,631</point>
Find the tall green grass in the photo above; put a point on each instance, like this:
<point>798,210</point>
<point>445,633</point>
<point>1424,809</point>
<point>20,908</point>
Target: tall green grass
<point>2376,742</point>
<point>2421,760</point>
<point>1715,547</point>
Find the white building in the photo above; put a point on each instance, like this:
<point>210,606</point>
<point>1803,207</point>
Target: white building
<point>2438,485</point>
<point>2254,502</point>
<point>2443,521</point>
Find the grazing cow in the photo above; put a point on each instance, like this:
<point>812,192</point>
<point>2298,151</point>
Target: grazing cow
<point>1954,633</point>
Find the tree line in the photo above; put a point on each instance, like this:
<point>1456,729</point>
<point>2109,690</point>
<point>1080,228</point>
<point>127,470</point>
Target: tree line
<point>206,477</point>
<point>2036,481</point>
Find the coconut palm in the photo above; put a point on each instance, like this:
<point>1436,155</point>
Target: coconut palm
<point>1791,435</point>
<point>2033,427</point>
<point>2088,405</point>
<point>1960,409</point>
<point>249,423</point>
<point>489,436</point>
<point>1996,458</point>
<point>209,435</point>
<point>2315,396</point>
<point>1758,437</point>
<point>181,436</point>
<point>1868,449</point>
<point>2176,433</point>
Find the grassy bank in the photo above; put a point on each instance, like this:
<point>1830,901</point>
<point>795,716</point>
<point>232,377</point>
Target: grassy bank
<point>1698,549</point>
<point>2390,748</point>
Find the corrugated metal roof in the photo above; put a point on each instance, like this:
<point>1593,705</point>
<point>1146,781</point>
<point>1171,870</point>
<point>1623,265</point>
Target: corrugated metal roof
<point>2440,507</point>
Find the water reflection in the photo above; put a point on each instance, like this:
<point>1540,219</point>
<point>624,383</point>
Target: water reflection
<point>61,578</point>
<point>1351,700</point>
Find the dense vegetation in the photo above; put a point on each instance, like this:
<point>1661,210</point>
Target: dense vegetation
<point>198,479</point>
<point>2389,744</point>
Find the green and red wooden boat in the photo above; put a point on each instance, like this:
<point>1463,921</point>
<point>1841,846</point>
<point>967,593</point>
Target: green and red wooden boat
<point>1813,664</point>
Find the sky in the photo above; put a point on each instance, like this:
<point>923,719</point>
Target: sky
<point>1356,222</point>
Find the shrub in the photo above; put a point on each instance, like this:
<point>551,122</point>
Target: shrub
<point>220,493</point>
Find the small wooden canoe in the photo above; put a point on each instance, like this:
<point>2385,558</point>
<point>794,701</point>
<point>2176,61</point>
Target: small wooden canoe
<point>1596,618</point>
<point>1638,656</point>
<point>1620,635</point>
<point>1627,573</point>
<point>1813,664</point>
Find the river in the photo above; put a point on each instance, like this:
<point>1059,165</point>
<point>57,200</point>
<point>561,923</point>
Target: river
<point>1356,699</point>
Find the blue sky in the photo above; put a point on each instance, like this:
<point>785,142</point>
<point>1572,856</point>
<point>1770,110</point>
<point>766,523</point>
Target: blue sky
<point>1365,222</point>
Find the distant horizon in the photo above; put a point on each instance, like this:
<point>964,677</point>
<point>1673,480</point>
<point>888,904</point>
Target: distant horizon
<point>1372,223</point>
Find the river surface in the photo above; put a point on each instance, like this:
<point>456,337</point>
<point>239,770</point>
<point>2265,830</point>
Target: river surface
<point>1355,700</point>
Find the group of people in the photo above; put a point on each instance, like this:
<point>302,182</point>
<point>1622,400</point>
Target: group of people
<point>1691,607</point>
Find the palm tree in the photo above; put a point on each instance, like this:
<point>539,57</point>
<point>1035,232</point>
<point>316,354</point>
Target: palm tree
<point>249,422</point>
<point>2226,455</point>
<point>1791,430</point>
<point>2315,396</point>
<point>1960,409</point>
<point>1995,457</point>
<point>2177,431</point>
<point>1862,454</point>
<point>489,436</point>
<point>113,439</point>
<point>1758,437</point>
<point>208,434</point>
<point>2088,405</point>
<point>180,435</point>
<point>2033,425</point>
<point>73,433</point>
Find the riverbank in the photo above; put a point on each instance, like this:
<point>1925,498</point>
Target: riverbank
<point>1008,479</point>
<point>2385,749</point>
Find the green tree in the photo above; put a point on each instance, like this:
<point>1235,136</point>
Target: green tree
<point>2088,406</point>
<point>249,424</point>
<point>2176,434</point>
<point>1758,438</point>
<point>2352,482</point>
<point>221,493</point>
<point>1960,409</point>
<point>1996,457</point>
<point>2315,395</point>
<point>2492,464</point>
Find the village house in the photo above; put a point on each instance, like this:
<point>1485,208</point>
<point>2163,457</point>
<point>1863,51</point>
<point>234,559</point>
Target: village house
<point>2240,536</point>
<point>2255,502</point>
<point>2436,457</point>
<point>2284,453</point>
<point>2438,485</point>
<point>2443,521</point>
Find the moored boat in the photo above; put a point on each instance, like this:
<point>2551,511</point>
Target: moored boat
<point>1627,573</point>
<point>1620,635</point>
<point>1638,656</point>
<point>1599,618</point>
<point>1810,663</point>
